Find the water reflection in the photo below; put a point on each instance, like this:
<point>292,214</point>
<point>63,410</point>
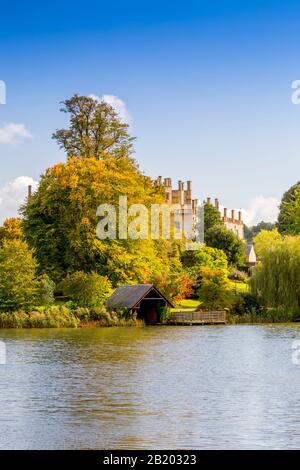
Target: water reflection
<point>154,387</point>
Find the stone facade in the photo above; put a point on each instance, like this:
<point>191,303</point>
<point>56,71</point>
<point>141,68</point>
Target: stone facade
<point>184,197</point>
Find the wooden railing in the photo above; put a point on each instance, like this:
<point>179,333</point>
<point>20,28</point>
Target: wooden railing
<point>189,318</point>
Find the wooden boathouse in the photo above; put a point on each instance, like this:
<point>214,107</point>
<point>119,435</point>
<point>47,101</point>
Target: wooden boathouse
<point>145,301</point>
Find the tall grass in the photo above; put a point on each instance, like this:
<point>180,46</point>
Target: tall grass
<point>63,317</point>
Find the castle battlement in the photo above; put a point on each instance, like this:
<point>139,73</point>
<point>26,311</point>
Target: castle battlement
<point>233,223</point>
<point>183,195</point>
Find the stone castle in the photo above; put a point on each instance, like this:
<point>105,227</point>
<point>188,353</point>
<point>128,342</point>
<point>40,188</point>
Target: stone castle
<point>184,197</point>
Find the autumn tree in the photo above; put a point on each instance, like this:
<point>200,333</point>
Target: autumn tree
<point>11,229</point>
<point>95,130</point>
<point>60,222</point>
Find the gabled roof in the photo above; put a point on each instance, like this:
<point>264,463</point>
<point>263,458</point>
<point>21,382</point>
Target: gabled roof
<point>129,295</point>
<point>249,248</point>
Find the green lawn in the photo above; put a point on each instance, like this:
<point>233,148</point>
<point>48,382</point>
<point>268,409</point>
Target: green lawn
<point>186,305</point>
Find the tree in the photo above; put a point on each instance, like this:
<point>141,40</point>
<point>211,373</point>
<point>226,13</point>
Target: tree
<point>289,218</point>
<point>11,229</point>
<point>60,222</point>
<point>86,289</point>
<point>276,279</point>
<point>251,232</point>
<point>265,241</point>
<point>18,283</point>
<point>212,217</point>
<point>214,291</point>
<point>95,130</point>
<point>175,285</point>
<point>207,257</point>
<point>223,239</point>
<point>45,290</point>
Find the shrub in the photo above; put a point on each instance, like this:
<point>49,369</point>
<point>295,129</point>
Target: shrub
<point>86,289</point>
<point>247,303</point>
<point>214,290</point>
<point>240,276</point>
<point>45,291</point>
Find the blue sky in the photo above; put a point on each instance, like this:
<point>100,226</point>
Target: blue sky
<point>207,85</point>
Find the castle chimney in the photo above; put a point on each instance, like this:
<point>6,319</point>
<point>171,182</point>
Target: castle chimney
<point>217,203</point>
<point>189,185</point>
<point>159,180</point>
<point>240,216</point>
<point>225,212</point>
<point>29,193</point>
<point>232,214</point>
<point>208,200</point>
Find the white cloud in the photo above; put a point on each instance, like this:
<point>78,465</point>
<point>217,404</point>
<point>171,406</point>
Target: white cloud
<point>13,194</point>
<point>117,104</point>
<point>12,133</point>
<point>261,208</point>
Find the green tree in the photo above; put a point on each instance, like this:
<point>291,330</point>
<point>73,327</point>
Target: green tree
<point>95,130</point>
<point>289,218</point>
<point>265,241</point>
<point>214,292</point>
<point>251,232</point>
<point>18,283</point>
<point>212,217</point>
<point>86,289</point>
<point>276,279</point>
<point>223,239</point>
<point>207,256</point>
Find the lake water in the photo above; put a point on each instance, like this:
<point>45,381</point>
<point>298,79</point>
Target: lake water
<point>228,387</point>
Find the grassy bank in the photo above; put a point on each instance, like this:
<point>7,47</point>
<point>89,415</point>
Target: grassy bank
<point>63,317</point>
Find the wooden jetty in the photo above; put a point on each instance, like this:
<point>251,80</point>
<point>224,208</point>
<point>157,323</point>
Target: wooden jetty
<point>197,318</point>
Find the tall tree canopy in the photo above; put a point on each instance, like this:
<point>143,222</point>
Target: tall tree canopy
<point>60,221</point>
<point>95,130</point>
<point>289,211</point>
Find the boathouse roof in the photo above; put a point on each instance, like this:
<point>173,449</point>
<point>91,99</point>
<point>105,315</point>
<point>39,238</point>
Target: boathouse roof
<point>128,296</point>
